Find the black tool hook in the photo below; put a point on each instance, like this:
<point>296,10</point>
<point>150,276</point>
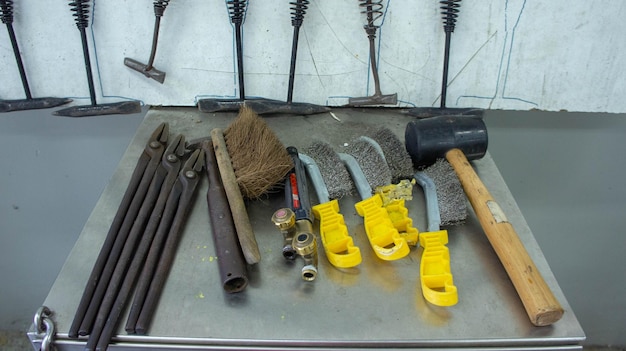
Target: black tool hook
<point>81,16</point>
<point>30,103</point>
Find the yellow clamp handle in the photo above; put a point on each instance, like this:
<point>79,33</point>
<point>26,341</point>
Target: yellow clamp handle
<point>399,216</point>
<point>338,244</point>
<point>392,192</point>
<point>436,278</point>
<point>380,227</point>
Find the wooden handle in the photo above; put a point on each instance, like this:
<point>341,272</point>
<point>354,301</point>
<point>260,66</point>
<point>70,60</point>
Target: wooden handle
<point>539,301</point>
<point>245,233</point>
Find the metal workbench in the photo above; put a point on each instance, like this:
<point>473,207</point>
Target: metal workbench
<point>378,304</point>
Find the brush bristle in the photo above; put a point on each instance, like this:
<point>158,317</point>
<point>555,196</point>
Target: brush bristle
<point>259,158</point>
<point>398,159</point>
<point>334,172</point>
<point>450,196</point>
<point>372,164</point>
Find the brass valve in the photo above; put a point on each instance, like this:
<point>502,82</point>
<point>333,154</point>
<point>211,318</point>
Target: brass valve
<point>305,245</point>
<point>298,240</point>
<point>285,221</point>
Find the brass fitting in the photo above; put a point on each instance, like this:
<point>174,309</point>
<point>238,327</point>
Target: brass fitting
<point>285,221</point>
<point>298,240</point>
<point>305,245</point>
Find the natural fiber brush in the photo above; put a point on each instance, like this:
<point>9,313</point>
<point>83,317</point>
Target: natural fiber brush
<point>259,158</point>
<point>398,159</point>
<point>450,195</point>
<point>334,173</point>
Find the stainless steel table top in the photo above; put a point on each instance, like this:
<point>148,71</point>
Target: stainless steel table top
<point>378,304</point>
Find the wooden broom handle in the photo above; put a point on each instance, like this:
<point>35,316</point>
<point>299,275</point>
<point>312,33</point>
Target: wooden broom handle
<point>539,301</point>
<point>247,240</point>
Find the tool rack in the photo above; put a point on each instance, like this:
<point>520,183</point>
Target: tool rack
<point>376,305</point>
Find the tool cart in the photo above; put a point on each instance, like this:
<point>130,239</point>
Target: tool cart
<point>375,305</point>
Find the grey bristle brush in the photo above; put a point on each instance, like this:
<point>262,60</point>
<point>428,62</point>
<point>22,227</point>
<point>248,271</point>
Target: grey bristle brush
<point>450,196</point>
<point>338,245</point>
<point>334,173</point>
<point>368,154</point>
<point>398,159</point>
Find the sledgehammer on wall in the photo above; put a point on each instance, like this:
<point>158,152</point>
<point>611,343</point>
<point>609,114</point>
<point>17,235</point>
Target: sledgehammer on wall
<point>459,139</point>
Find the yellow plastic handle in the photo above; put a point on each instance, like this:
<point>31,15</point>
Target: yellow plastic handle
<point>338,244</point>
<point>403,190</point>
<point>399,216</point>
<point>436,278</point>
<point>383,236</point>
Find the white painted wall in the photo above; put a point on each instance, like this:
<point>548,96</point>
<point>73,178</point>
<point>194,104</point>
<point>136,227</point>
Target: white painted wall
<point>515,54</point>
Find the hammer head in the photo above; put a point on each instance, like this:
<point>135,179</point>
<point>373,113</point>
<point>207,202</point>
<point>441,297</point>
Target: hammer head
<point>428,139</point>
<point>115,108</point>
<point>376,99</point>
<point>30,104</point>
<point>149,72</point>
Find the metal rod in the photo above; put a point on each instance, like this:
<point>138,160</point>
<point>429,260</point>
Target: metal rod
<point>155,39</point>
<point>18,60</point>
<point>373,11</point>
<point>292,68</point>
<point>155,151</point>
<point>92,90</point>
<point>371,35</point>
<point>370,29</point>
<point>446,61</point>
<point>181,196</point>
<point>143,284</point>
<point>147,157</point>
<point>162,269</point>
<point>161,224</point>
<point>172,166</point>
<point>125,259</point>
<point>116,251</point>
<point>238,43</point>
<point>108,245</point>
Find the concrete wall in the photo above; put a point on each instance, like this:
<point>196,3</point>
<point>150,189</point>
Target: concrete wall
<point>513,54</point>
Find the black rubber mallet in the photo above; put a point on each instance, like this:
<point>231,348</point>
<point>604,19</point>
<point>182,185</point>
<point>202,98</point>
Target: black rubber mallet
<point>81,16</point>
<point>148,69</point>
<point>30,103</point>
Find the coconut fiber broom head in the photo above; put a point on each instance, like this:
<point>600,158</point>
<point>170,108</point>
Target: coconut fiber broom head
<point>259,158</point>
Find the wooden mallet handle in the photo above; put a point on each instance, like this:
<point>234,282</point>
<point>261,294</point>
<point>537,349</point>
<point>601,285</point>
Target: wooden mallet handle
<point>539,301</point>
<point>247,240</point>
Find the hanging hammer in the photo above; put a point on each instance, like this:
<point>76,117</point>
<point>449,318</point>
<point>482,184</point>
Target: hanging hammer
<point>148,69</point>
